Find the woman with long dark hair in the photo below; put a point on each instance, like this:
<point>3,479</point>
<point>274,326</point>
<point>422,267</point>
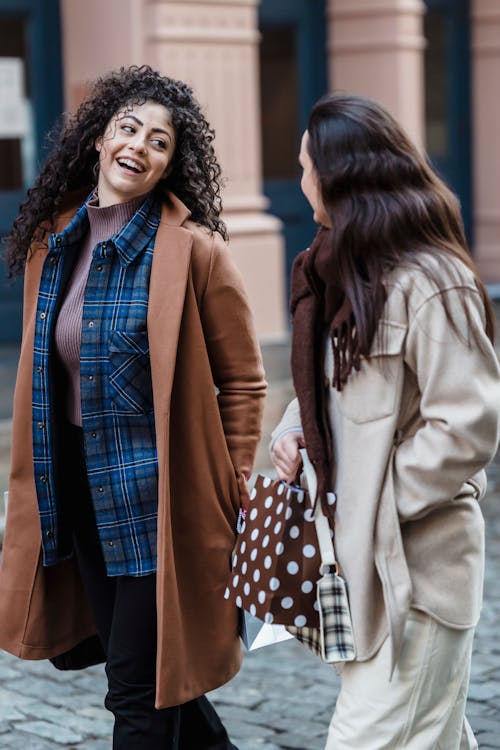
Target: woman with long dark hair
<point>136,413</point>
<point>398,405</point>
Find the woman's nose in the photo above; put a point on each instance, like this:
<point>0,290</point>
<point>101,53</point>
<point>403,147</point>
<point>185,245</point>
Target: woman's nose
<point>138,144</point>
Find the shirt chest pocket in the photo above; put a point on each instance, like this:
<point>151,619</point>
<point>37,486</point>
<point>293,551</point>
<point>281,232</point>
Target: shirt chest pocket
<point>130,375</point>
<point>372,392</point>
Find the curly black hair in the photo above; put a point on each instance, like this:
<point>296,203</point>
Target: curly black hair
<point>194,175</point>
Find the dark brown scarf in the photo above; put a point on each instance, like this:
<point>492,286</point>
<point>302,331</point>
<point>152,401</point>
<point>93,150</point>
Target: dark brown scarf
<point>320,309</point>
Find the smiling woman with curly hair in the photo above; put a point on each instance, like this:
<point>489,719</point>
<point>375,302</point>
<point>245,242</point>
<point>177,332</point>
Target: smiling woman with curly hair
<point>194,175</point>
<point>137,414</point>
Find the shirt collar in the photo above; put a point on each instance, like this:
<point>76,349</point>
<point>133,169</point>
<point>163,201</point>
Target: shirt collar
<point>130,240</point>
<point>135,236</point>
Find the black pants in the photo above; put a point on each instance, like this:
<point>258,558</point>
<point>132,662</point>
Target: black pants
<point>124,609</point>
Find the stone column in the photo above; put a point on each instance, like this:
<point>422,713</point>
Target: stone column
<point>486,128</point>
<point>376,49</point>
<point>213,46</point>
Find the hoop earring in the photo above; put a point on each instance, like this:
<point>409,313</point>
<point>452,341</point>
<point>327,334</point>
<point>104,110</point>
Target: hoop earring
<point>95,171</point>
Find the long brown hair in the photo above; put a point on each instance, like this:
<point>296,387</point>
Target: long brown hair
<point>386,205</point>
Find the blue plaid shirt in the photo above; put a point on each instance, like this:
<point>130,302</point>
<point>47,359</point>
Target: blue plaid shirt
<point>116,392</point>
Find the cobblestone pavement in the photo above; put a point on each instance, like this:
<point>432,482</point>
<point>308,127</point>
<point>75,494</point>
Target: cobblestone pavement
<point>282,699</point>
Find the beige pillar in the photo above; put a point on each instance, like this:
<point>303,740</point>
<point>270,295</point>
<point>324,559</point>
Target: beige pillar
<point>213,46</point>
<point>376,49</point>
<point>486,128</point>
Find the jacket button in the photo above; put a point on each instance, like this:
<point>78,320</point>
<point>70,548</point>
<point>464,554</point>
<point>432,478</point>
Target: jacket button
<point>90,324</point>
<point>40,425</point>
<point>39,368</point>
<point>90,377</point>
<point>43,316</point>
<point>49,534</point>
<point>93,434</point>
<point>43,479</point>
<point>111,544</point>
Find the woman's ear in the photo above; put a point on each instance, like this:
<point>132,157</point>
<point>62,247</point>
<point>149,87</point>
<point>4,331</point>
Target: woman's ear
<point>98,143</point>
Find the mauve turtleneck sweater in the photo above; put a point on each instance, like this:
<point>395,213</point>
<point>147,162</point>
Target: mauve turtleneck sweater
<point>103,223</point>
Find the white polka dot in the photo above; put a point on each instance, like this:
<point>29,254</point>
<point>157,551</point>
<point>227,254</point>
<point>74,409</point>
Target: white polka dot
<point>268,501</point>
<point>244,568</point>
<point>307,587</point>
<point>309,550</point>
<point>265,541</point>
<point>261,597</point>
<point>246,588</point>
<point>309,515</point>
<point>253,609</point>
<point>267,522</point>
<point>266,482</point>
<point>288,494</point>
<point>256,575</point>
<point>277,528</point>
<point>294,532</point>
<point>292,568</point>
<point>316,606</point>
<point>281,488</point>
<point>299,621</point>
<point>279,509</point>
<point>280,548</point>
<point>235,581</point>
<point>268,561</point>
<point>253,514</point>
<point>234,560</point>
<point>331,498</point>
<point>288,513</point>
<point>254,534</point>
<point>227,594</point>
<point>274,584</point>
<point>287,602</point>
<point>253,555</point>
<point>243,547</point>
<point>268,618</point>
<point>253,493</point>
<point>300,496</point>
<point>238,601</point>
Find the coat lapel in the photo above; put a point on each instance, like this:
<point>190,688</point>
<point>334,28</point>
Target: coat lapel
<point>167,290</point>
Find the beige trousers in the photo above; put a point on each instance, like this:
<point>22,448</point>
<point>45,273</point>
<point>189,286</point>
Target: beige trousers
<point>421,708</point>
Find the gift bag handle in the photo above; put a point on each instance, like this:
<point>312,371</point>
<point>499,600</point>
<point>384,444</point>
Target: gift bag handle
<point>322,526</point>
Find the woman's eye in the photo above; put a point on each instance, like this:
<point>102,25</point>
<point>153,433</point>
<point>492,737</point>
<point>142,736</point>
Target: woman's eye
<point>159,143</point>
<point>128,128</point>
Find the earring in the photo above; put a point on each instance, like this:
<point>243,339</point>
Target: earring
<point>95,171</point>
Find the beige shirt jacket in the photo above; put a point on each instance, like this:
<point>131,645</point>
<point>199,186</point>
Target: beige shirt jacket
<point>201,334</point>
<point>413,431</point>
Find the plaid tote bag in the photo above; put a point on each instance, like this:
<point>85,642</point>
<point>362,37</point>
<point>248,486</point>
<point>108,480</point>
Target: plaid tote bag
<point>333,639</point>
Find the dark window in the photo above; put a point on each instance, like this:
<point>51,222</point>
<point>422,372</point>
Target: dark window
<point>279,102</point>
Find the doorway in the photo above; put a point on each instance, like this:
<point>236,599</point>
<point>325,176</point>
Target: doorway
<point>30,102</point>
<point>448,97</point>
<point>293,75</point>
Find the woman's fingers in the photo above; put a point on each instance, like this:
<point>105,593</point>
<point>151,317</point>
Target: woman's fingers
<point>286,456</point>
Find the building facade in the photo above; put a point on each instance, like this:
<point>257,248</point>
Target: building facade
<point>257,67</point>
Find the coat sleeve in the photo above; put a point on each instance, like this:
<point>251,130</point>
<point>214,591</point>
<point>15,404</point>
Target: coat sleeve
<point>459,382</point>
<point>290,422</point>
<point>235,358</point>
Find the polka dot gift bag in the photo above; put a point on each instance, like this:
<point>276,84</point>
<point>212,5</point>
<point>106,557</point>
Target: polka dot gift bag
<point>284,567</point>
<point>276,561</point>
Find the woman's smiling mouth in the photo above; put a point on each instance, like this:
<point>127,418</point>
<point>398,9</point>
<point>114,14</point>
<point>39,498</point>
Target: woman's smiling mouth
<point>131,164</point>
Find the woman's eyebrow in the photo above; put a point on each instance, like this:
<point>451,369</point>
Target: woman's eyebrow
<point>139,122</point>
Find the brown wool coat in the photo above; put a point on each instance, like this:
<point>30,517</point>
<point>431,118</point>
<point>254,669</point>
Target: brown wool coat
<point>200,334</point>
